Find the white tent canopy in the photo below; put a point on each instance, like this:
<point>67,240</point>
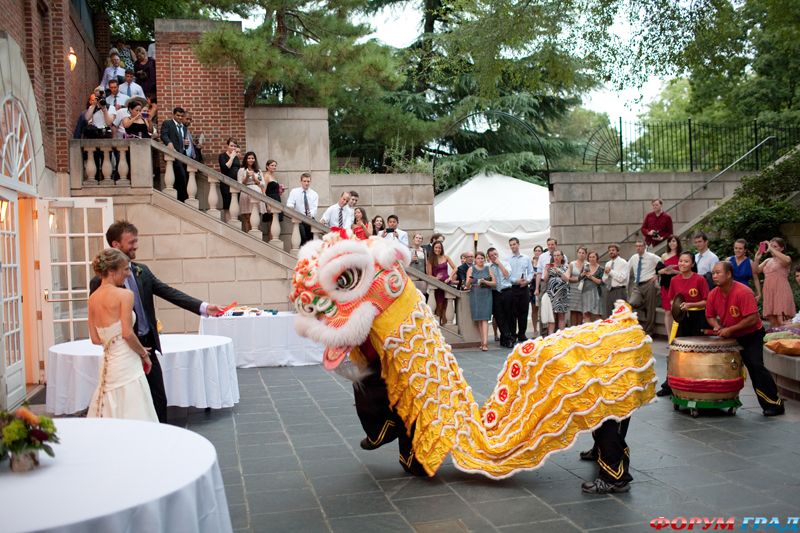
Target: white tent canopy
<point>496,208</point>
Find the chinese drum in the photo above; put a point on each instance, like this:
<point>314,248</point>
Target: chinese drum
<point>705,368</point>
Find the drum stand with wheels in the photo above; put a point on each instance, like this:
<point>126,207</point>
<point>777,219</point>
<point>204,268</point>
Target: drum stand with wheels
<point>694,406</point>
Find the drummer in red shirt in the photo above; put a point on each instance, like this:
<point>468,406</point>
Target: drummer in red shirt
<point>694,289</point>
<point>732,312</point>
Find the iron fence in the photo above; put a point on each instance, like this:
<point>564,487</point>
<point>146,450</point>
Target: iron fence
<point>687,145</point>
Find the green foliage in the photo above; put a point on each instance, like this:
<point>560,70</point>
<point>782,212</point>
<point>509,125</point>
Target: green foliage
<point>759,206</point>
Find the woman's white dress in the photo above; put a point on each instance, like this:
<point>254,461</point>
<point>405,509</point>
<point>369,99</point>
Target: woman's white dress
<point>122,391</point>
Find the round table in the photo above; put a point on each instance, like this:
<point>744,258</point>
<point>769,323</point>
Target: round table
<point>265,340</point>
<point>199,371</point>
<point>118,475</point>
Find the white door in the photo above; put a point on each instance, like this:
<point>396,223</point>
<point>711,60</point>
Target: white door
<point>71,234</point>
<point>12,361</point>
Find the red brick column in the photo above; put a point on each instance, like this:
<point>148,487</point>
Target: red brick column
<point>213,95</point>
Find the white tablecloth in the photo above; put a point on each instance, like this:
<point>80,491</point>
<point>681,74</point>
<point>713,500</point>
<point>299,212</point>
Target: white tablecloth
<point>112,475</point>
<point>266,340</point>
<point>199,371</point>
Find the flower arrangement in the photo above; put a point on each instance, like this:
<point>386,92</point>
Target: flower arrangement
<point>23,434</point>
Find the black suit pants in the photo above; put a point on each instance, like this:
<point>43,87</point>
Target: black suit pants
<point>612,452</point>
<point>155,379</point>
<point>518,312</point>
<point>753,358</point>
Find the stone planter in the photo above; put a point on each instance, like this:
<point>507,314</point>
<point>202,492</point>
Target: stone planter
<point>24,461</point>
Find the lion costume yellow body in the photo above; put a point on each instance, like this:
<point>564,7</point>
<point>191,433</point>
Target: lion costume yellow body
<point>549,390</point>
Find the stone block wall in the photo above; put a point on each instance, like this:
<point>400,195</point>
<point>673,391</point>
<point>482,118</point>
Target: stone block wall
<point>596,209</point>
<point>213,95</point>
<point>214,266</point>
<point>409,196</point>
<point>295,137</point>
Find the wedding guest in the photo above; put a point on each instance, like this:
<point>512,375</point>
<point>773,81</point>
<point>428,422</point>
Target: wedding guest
<point>667,268</point>
<point>480,283</point>
<point>145,72</point>
<point>377,225</point>
<point>339,215</point>
<point>124,236</point>
<point>744,268</point>
<point>122,391</point>
<point>556,279</point>
<point>250,175</point>
<point>657,224</point>
<point>778,300</point>
<point>393,232</point>
<point>615,277</point>
<point>229,165</point>
<point>592,293</point>
<point>577,272</point>
<point>305,200</point>
<point>534,290</point>
<point>360,225</point>
<point>274,191</point>
<point>437,267</point>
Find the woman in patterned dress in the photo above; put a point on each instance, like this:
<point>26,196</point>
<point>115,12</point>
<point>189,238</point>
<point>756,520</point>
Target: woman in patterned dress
<point>557,280</point>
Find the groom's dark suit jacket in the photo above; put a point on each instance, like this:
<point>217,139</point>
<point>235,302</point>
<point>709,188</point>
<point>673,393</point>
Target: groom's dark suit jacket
<point>150,286</point>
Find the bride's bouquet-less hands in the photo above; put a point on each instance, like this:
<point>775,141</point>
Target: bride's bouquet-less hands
<point>23,433</point>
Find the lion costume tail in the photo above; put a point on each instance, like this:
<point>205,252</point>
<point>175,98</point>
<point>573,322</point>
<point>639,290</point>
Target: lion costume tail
<point>548,392</point>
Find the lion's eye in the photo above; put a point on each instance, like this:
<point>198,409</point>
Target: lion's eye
<point>348,279</point>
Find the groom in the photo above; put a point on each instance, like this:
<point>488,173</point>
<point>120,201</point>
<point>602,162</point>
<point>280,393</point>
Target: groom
<point>124,236</point>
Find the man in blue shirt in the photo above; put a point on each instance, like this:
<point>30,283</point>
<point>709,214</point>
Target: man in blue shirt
<point>521,274</point>
<point>501,296</point>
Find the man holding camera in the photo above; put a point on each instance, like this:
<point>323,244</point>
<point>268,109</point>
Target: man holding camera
<point>657,224</point>
<point>393,232</point>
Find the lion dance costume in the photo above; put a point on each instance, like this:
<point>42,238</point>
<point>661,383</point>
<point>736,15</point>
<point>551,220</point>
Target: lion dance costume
<point>354,297</point>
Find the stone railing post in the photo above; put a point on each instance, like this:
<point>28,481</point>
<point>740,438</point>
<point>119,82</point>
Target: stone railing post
<point>295,236</point>
<point>275,230</point>
<point>122,166</point>
<point>234,220</point>
<point>106,167</point>
<point>255,220</point>
<point>213,196</point>
<point>191,188</point>
<point>90,166</point>
<point>169,176</point>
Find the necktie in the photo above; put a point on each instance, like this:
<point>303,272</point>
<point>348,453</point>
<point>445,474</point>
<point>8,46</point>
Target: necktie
<point>341,217</point>
<point>142,325</point>
<point>305,204</point>
<point>639,270</point>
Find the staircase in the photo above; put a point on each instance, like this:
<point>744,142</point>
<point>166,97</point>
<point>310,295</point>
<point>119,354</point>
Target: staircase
<point>189,245</point>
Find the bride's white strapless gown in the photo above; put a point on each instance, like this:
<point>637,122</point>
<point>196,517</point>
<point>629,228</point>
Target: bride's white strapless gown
<point>122,391</point>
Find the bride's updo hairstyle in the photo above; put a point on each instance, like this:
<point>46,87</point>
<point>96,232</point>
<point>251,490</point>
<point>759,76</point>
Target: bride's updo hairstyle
<point>109,260</point>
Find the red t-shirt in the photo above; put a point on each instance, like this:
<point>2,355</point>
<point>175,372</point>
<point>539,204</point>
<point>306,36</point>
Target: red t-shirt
<point>733,307</point>
<point>693,289</point>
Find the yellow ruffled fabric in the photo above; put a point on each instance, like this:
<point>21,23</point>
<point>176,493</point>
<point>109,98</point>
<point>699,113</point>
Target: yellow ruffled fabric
<point>548,391</point>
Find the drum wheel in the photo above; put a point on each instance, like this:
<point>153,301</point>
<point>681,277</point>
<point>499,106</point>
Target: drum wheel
<point>694,413</point>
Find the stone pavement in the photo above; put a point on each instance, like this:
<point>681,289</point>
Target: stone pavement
<point>291,461</point>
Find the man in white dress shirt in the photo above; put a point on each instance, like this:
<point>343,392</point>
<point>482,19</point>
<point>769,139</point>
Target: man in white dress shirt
<point>393,232</point>
<point>340,214</point>
<point>644,292</point>
<point>615,276</point>
<point>705,259</point>
<point>115,72</point>
<point>304,200</point>
<point>130,88</point>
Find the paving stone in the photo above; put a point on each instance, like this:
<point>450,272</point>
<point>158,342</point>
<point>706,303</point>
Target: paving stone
<point>305,521</point>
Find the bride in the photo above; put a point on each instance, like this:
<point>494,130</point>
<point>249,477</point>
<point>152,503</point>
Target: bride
<point>123,391</point>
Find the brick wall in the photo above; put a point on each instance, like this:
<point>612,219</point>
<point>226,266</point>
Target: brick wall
<point>213,95</point>
<point>44,31</point>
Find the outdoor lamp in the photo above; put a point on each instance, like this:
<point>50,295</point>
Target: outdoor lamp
<point>73,59</point>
